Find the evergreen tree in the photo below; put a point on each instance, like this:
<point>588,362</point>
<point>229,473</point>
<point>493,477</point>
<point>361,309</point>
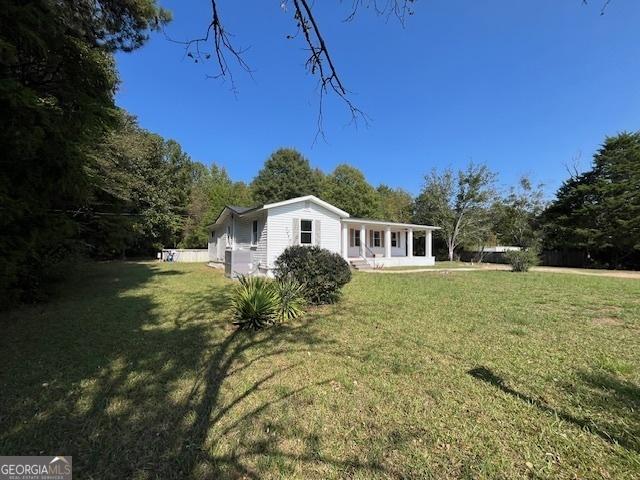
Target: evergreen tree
<point>599,211</point>
<point>57,80</point>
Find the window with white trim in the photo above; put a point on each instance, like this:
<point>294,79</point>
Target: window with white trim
<point>228,235</point>
<point>306,232</point>
<point>355,237</point>
<point>394,239</point>
<point>377,242</point>
<point>255,234</point>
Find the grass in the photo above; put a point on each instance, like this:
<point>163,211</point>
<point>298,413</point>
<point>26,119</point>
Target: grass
<point>136,371</point>
<point>438,265</point>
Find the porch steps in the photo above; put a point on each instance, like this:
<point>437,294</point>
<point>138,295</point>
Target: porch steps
<point>360,264</point>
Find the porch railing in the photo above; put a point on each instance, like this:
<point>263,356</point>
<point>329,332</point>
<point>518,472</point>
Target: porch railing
<point>373,255</point>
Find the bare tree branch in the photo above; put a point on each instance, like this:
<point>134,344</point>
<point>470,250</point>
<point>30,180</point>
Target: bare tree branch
<point>321,64</point>
<point>217,43</point>
<point>605,4</point>
<point>401,9</point>
<point>221,40</point>
<point>574,169</point>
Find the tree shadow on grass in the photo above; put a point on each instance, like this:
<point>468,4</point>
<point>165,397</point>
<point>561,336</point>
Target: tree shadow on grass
<point>623,423</point>
<point>141,381</point>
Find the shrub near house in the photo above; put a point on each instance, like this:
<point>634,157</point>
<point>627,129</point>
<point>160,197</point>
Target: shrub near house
<point>259,302</point>
<point>321,272</point>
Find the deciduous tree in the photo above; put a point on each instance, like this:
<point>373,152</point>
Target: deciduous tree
<point>458,203</point>
<point>396,204</point>
<point>142,186</point>
<point>515,215</point>
<point>211,192</point>
<point>348,189</point>
<point>286,174</point>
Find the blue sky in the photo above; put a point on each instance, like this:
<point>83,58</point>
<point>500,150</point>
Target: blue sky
<point>523,86</point>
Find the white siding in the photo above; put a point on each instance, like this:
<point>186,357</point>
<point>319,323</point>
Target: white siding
<point>261,250</point>
<point>241,231</point>
<point>243,238</point>
<point>218,241</point>
<point>280,222</point>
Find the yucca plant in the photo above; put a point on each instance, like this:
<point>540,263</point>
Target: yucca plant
<point>291,299</point>
<point>255,302</point>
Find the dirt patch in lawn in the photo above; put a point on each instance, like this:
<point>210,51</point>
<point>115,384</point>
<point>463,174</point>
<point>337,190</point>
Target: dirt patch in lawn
<point>610,321</point>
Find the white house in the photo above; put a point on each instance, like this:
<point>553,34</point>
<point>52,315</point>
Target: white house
<point>248,240</point>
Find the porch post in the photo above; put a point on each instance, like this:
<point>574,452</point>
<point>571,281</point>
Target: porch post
<point>345,241</point>
<point>427,244</point>
<point>410,242</point>
<point>387,242</point>
<point>363,239</point>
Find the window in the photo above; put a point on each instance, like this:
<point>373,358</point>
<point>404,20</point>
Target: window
<point>355,237</point>
<point>228,235</point>
<point>254,233</point>
<point>394,239</point>
<point>306,232</point>
<point>376,238</point>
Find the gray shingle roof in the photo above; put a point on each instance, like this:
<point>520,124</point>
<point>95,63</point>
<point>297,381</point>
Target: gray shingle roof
<point>239,209</point>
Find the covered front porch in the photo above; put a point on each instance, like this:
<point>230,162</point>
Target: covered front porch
<point>377,244</point>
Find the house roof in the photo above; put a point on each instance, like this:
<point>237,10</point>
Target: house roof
<point>241,211</point>
<point>310,198</point>
<point>367,221</point>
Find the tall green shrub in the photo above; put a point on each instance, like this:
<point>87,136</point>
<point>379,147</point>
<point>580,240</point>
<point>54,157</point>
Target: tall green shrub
<point>323,273</point>
<point>522,260</point>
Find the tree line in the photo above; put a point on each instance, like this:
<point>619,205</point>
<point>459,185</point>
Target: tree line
<point>595,213</point>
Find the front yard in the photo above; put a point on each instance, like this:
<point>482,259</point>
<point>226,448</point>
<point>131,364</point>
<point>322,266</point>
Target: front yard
<point>136,371</point>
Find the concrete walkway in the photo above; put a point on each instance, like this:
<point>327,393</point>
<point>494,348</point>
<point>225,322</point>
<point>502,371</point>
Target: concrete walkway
<point>496,267</point>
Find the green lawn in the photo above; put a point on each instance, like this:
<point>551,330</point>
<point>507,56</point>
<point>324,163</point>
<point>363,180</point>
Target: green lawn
<point>438,265</point>
<point>136,371</point>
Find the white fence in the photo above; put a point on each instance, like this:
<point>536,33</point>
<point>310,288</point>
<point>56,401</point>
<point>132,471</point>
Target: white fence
<point>187,255</point>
